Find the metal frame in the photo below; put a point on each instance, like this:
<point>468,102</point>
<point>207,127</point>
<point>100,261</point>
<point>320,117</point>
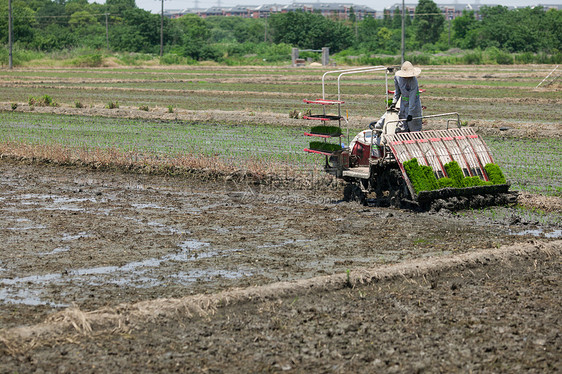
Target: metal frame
<point>435,148</point>
<point>354,70</point>
<point>433,116</point>
<point>366,69</point>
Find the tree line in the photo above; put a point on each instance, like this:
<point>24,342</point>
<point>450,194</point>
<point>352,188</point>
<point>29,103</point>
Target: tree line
<point>55,25</point>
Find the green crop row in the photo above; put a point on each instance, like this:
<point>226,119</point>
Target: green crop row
<point>234,144</point>
<point>530,165</point>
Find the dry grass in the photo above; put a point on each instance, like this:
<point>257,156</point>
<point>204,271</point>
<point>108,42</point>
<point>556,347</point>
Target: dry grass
<point>547,204</point>
<point>112,158</point>
<point>202,166</point>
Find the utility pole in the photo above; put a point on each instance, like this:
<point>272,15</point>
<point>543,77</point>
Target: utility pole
<point>107,31</point>
<point>10,32</point>
<point>162,31</point>
<point>403,30</point>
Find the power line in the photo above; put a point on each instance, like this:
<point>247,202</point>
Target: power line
<point>68,16</point>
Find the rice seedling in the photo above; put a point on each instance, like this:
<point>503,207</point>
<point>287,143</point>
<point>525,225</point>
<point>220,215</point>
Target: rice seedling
<point>277,89</point>
<point>423,178</point>
<point>326,130</point>
<point>326,147</point>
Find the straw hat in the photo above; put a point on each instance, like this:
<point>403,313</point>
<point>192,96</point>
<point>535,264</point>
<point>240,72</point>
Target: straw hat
<point>408,70</point>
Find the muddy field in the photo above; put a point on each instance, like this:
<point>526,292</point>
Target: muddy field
<point>109,270</point>
<point>103,241</point>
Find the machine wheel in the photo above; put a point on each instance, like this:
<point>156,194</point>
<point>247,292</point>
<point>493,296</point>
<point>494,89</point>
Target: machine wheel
<point>352,192</point>
<point>389,187</point>
<point>398,189</point>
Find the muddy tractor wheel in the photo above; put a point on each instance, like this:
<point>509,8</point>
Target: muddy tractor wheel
<point>352,192</point>
<point>389,187</point>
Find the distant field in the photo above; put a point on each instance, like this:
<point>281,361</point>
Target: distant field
<point>494,93</point>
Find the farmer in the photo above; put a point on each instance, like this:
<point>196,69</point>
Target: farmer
<point>406,87</point>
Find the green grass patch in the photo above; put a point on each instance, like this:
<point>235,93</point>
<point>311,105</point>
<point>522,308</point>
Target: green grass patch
<point>44,100</point>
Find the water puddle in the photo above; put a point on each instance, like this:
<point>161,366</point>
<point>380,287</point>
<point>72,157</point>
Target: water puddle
<point>54,199</point>
<point>287,242</point>
<point>30,297</point>
<point>55,251</point>
<point>162,227</point>
<point>50,202</point>
<point>67,237</point>
<point>539,232</point>
<point>146,273</point>
<point>37,227</point>
<point>159,227</point>
<point>151,206</point>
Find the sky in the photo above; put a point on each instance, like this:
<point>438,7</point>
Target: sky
<point>155,5</point>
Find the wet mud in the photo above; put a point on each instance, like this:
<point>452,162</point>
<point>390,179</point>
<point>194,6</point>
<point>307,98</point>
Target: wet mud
<point>74,237</point>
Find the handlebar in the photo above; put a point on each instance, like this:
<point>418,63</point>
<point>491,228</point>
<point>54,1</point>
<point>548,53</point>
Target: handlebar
<point>458,120</point>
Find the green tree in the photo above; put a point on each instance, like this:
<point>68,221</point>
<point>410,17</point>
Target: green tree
<point>517,30</point>
<point>310,30</point>
<point>120,6</point>
<point>24,22</point>
<point>194,37</point>
<point>367,30</point>
<point>249,30</point>
<point>82,19</point>
<point>134,29</point>
<point>352,16</point>
<point>73,6</point>
<point>397,18</point>
<point>428,22</point>
<point>463,24</point>
<point>551,26</point>
<point>55,37</point>
<point>49,12</point>
<point>387,18</point>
